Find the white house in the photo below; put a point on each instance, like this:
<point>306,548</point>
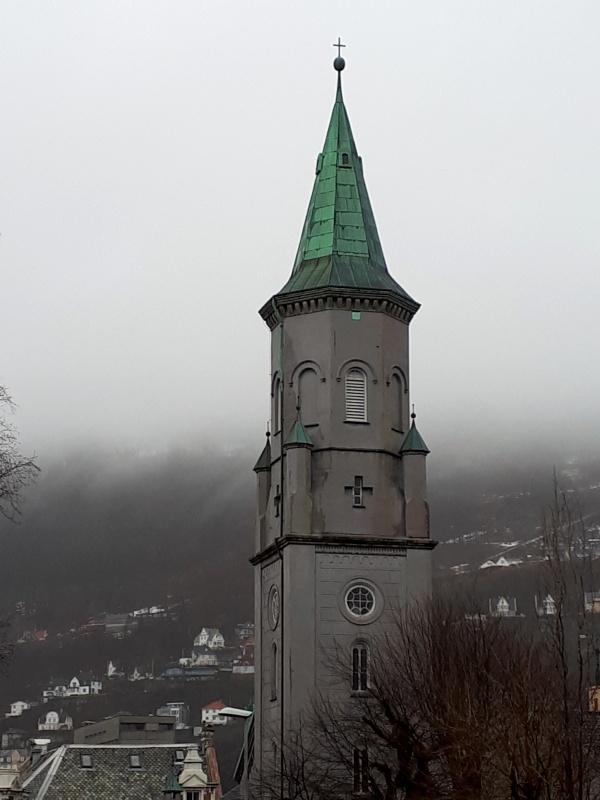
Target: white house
<point>204,657</point>
<point>17,708</point>
<point>503,607</point>
<point>55,721</point>
<point>211,714</point>
<point>84,684</point>
<point>56,689</point>
<point>211,637</point>
<point>547,607</point>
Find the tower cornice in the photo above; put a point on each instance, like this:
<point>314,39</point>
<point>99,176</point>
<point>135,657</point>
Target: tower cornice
<point>340,541</point>
<point>309,301</point>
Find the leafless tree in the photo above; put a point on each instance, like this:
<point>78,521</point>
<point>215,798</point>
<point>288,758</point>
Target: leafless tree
<point>459,706</point>
<point>16,471</point>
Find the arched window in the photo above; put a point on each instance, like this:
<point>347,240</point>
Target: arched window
<point>397,391</point>
<point>273,671</point>
<point>360,667</point>
<point>360,771</point>
<point>345,159</point>
<point>308,385</point>
<point>276,412</point>
<point>356,396</point>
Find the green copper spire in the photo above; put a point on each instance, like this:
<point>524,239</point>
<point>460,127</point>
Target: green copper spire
<point>340,246</point>
<point>413,443</point>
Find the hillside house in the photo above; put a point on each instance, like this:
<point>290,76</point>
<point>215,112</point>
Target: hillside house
<point>545,607</point>
<point>243,630</point>
<point>243,664</point>
<point>33,636</point>
<point>502,606</point>
<point>117,625</point>
<point>211,637</point>
<point>57,688</point>
<point>592,602</point>
<point>55,721</point>
<point>180,711</point>
<point>17,708</point>
<point>84,684</point>
<point>204,657</point>
<point>211,714</point>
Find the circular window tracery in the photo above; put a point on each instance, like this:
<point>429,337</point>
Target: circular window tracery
<point>360,600</point>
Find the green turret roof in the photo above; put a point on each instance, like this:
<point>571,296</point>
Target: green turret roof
<point>413,443</point>
<point>298,436</point>
<point>264,460</point>
<point>172,784</point>
<point>340,246</point>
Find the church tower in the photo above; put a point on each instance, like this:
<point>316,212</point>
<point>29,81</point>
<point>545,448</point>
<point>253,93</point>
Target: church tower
<point>342,533</point>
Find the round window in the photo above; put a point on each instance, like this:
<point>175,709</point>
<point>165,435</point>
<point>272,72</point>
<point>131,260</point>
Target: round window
<point>274,607</point>
<point>360,601</point>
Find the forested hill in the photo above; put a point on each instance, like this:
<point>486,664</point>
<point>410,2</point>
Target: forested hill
<point>121,531</point>
<point>115,532</point>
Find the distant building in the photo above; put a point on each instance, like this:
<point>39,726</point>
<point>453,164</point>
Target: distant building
<point>211,637</point>
<point>117,625</point>
<point>33,636</point>
<point>180,711</point>
<point>114,671</point>
<point>592,602</point>
<point>15,759</point>
<point>83,684</point>
<point>211,714</point>
<point>189,673</point>
<point>55,721</point>
<point>502,606</point>
<point>204,657</point>
<point>17,708</point>
<point>127,729</point>
<point>57,688</point>
<point>243,664</point>
<point>545,607</point>
<point>244,629</point>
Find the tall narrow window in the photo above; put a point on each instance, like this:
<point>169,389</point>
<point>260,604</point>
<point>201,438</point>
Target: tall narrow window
<point>276,406</point>
<point>397,392</point>
<point>360,668</point>
<point>357,491</point>
<point>361,771</point>
<point>356,396</point>
<point>273,671</point>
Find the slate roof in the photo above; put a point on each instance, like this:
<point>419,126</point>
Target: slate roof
<point>340,246</point>
<point>61,776</point>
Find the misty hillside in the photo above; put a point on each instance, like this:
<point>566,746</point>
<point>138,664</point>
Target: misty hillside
<point>114,532</point>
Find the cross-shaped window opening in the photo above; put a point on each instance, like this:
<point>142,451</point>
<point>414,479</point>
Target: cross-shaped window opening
<point>358,491</point>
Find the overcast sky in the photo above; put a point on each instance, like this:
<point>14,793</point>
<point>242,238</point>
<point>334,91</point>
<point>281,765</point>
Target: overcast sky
<point>156,161</point>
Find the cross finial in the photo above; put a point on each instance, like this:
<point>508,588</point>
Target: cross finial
<point>339,62</point>
<point>339,46</point>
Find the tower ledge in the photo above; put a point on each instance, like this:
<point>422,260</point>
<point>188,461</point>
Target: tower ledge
<point>340,542</point>
<point>308,301</point>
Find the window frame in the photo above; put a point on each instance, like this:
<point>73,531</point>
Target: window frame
<point>360,667</point>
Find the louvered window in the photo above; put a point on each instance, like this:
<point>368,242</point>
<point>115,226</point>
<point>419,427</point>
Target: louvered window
<point>356,396</point>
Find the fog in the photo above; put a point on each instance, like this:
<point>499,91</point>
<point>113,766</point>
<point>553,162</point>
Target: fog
<point>156,163</point>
